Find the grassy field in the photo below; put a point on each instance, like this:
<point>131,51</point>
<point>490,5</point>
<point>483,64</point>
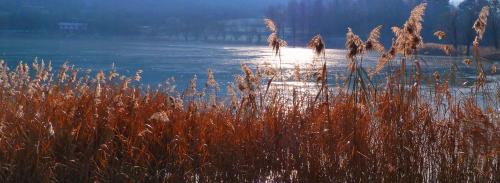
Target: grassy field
<point>69,126</point>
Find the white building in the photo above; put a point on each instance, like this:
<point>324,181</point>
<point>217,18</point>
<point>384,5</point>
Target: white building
<point>72,26</point>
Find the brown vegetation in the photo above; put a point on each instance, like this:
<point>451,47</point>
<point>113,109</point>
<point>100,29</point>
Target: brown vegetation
<point>64,128</point>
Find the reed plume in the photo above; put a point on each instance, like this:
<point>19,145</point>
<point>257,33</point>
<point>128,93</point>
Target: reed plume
<point>93,130</point>
<point>467,61</point>
<point>436,76</point>
<point>211,82</point>
<point>440,35</point>
<point>296,73</point>
<point>138,76</point>
<point>270,25</point>
<point>274,41</point>
<point>407,39</point>
<point>480,24</point>
<point>446,49</point>
<point>353,44</point>
<point>383,60</point>
<point>317,44</point>
<point>112,73</point>
<point>129,135</point>
<point>191,89</point>
<point>161,116</point>
<point>414,23</point>
<point>373,41</point>
<point>480,28</point>
<point>231,94</point>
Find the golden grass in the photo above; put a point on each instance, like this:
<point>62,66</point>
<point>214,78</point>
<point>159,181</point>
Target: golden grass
<point>60,127</point>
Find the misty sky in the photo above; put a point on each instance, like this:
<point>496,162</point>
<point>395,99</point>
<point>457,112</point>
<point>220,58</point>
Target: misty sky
<point>456,2</point>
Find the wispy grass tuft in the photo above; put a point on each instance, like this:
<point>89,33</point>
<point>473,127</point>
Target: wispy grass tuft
<point>61,126</point>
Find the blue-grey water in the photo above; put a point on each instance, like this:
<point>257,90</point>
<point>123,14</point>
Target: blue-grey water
<point>161,60</point>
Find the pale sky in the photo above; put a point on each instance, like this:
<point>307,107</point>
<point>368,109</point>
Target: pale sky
<point>456,2</point>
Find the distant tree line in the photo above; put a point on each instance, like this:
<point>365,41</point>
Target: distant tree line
<point>298,20</point>
<point>179,17</point>
<point>305,18</point>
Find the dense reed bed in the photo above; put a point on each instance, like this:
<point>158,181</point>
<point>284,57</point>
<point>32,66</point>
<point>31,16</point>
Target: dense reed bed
<point>68,126</point>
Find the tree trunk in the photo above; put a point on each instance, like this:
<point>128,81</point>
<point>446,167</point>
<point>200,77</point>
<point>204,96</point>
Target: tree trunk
<point>494,31</point>
<point>494,21</point>
<point>455,31</point>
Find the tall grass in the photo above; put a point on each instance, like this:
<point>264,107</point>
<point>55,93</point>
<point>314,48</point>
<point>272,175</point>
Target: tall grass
<point>69,127</point>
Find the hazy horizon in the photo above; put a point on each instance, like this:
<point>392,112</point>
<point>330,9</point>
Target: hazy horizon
<point>236,21</point>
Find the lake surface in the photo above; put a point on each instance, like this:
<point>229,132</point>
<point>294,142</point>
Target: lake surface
<point>161,60</point>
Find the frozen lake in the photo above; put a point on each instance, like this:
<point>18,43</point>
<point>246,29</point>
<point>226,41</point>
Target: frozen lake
<point>161,60</point>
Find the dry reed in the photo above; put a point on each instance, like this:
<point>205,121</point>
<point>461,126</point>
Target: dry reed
<point>109,129</point>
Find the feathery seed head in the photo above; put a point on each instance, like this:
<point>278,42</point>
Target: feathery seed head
<point>210,78</point>
<point>270,25</point>
<point>408,39</point>
<point>317,45</point>
<point>296,72</point>
<point>191,90</point>
<point>138,76</point>
<point>467,61</point>
<point>232,95</point>
<point>276,43</point>
<point>384,59</point>
<point>161,116</point>
<point>354,45</point>
<point>440,35</point>
<point>100,76</point>
<point>273,39</point>
<point>436,75</point>
<point>480,24</point>
<point>446,49</point>
<point>373,41</point>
